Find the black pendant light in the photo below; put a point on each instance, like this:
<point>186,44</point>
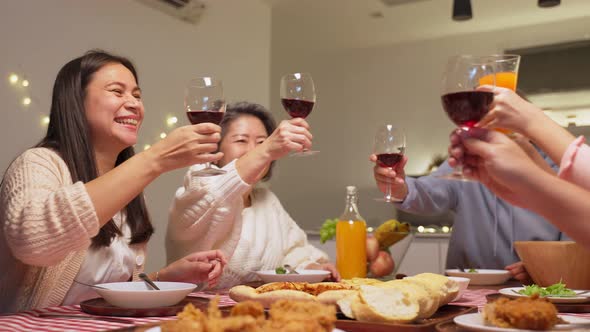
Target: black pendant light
<point>549,3</point>
<point>462,10</point>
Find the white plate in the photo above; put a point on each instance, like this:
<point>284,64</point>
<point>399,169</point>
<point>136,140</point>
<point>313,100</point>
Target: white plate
<point>475,322</point>
<point>482,276</point>
<point>303,276</point>
<point>510,292</point>
<point>138,295</point>
<point>157,329</point>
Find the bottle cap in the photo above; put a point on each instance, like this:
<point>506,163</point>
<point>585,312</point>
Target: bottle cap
<point>351,190</point>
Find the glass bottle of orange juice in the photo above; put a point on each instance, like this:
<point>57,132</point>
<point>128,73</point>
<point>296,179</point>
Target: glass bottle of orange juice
<point>351,239</point>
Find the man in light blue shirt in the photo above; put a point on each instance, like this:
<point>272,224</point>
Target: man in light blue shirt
<point>484,227</point>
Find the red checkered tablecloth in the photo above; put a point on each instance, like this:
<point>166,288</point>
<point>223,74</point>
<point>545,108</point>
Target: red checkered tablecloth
<point>29,320</point>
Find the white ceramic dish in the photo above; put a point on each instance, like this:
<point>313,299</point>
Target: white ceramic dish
<point>303,276</point>
<point>138,295</point>
<point>475,322</point>
<point>463,283</point>
<point>482,276</point>
<point>512,292</point>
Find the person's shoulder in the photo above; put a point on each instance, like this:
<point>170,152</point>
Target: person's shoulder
<point>38,155</point>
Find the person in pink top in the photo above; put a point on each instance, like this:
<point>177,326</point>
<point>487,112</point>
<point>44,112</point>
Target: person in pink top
<point>72,209</point>
<point>512,112</point>
<point>510,168</point>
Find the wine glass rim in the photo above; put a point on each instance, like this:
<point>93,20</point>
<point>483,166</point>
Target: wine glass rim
<point>489,58</point>
<point>294,74</point>
<point>204,81</point>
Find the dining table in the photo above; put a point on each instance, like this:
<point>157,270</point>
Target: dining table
<point>36,320</point>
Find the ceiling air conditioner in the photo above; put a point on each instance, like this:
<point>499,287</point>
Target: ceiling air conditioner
<point>187,10</point>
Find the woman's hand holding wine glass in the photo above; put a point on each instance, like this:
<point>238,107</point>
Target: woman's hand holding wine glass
<point>298,97</point>
<point>463,102</point>
<point>290,135</point>
<point>204,103</point>
<point>186,146</point>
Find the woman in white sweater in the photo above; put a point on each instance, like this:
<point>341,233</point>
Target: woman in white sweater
<point>228,212</point>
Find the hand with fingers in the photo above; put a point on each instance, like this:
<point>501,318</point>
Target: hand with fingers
<point>394,177</point>
<point>495,160</point>
<point>510,111</point>
<point>290,136</point>
<point>334,275</point>
<point>519,273</point>
<point>203,266</point>
<point>186,146</point>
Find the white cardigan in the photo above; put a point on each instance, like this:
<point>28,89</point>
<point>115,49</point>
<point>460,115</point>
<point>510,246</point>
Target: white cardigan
<point>208,213</point>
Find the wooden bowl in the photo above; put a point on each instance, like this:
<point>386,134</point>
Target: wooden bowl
<point>547,262</point>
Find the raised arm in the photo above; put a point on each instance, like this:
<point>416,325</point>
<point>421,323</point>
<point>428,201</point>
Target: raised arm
<point>510,111</point>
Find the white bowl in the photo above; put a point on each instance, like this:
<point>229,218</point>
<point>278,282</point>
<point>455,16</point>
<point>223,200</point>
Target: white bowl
<point>303,276</point>
<point>138,295</point>
<point>482,276</point>
<point>463,283</point>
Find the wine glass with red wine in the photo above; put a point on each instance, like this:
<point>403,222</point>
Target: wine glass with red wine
<point>298,98</point>
<point>203,101</point>
<point>461,100</point>
<point>389,146</point>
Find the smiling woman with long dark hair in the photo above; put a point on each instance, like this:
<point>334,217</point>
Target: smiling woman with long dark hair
<point>72,207</point>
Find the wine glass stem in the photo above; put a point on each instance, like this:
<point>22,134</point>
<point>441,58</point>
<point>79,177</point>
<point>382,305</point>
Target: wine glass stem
<point>207,165</point>
<point>388,190</point>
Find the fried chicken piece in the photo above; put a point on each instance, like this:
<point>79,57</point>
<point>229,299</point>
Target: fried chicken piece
<point>532,313</point>
<point>189,319</point>
<point>249,308</point>
<point>183,325</point>
<point>233,324</point>
<point>307,325</point>
<point>285,311</point>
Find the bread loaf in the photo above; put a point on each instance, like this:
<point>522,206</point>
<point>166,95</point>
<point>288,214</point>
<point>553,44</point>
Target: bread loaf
<point>378,304</point>
<point>428,305</point>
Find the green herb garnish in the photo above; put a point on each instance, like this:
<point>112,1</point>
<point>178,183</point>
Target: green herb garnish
<point>328,230</point>
<point>557,289</point>
<point>280,270</point>
<point>472,271</point>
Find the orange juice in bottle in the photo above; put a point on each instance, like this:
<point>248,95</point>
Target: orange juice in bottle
<point>351,239</point>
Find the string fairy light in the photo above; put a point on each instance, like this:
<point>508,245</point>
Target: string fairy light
<point>171,121</point>
<point>162,135</point>
<point>13,79</point>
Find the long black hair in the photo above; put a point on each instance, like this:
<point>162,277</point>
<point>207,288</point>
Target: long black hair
<point>239,109</point>
<point>68,134</point>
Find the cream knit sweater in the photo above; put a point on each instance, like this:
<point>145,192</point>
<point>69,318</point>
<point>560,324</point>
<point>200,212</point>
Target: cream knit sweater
<point>47,226</point>
<point>208,213</point>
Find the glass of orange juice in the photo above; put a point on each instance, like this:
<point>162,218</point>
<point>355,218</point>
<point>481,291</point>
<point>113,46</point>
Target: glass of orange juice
<point>506,70</point>
<point>506,75</point>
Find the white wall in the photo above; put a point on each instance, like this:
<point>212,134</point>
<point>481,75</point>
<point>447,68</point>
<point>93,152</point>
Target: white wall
<point>232,41</point>
<point>359,89</point>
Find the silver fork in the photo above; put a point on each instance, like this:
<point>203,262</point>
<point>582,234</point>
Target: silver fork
<point>92,286</point>
<point>290,269</point>
<point>148,281</point>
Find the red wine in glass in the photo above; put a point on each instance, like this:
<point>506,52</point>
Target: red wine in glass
<point>466,108</point>
<point>298,97</point>
<point>389,159</point>
<point>204,103</point>
<point>297,108</point>
<point>196,117</point>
